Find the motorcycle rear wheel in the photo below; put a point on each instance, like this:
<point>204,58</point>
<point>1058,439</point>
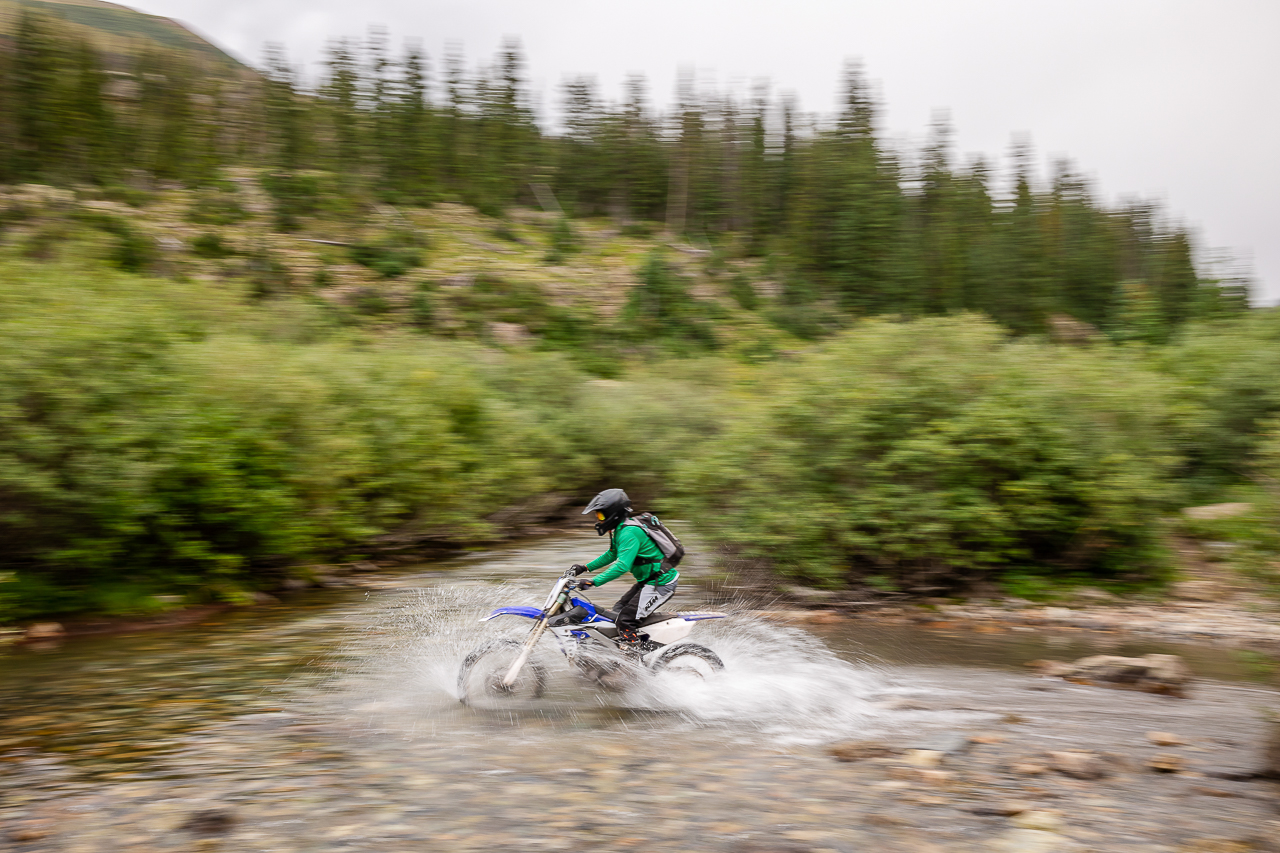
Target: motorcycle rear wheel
<point>688,659</point>
<point>480,677</point>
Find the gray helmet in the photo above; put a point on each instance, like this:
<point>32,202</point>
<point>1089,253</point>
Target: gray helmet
<point>614,505</point>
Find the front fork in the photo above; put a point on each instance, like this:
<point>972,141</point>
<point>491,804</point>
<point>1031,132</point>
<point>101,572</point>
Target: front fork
<point>523,658</point>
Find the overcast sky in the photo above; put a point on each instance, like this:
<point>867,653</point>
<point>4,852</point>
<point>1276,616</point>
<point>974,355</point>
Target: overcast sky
<point>1170,99</point>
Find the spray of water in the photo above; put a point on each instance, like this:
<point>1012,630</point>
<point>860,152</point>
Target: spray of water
<point>779,683</point>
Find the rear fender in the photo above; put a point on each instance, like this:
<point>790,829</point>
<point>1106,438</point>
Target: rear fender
<point>698,617</point>
<point>531,612</point>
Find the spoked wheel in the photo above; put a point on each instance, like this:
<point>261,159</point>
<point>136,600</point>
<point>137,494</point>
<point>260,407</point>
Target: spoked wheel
<point>688,659</point>
<point>480,678</point>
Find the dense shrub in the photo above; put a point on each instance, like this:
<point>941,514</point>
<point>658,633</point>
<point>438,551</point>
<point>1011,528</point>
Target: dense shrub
<point>1227,371</point>
<point>141,442</point>
<point>938,451</point>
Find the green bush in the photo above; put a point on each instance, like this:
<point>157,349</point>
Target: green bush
<point>1227,373</point>
<point>216,207</point>
<point>938,452</point>
<point>130,250</point>
<point>744,292</point>
<point>296,195</point>
<point>160,441</point>
<point>563,242</point>
<point>210,245</point>
<point>388,261</point>
<point>660,308</point>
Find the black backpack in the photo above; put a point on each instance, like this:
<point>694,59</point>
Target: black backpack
<point>668,544</point>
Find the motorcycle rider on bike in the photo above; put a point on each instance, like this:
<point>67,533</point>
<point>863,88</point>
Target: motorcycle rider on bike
<point>630,550</point>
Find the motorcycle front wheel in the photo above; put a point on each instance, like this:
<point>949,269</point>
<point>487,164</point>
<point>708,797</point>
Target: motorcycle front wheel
<point>688,659</point>
<point>480,678</point>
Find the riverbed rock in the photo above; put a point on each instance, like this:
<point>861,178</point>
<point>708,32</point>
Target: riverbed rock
<point>1165,739</point>
<point>1041,819</point>
<point>1166,762</point>
<point>1029,768</point>
<point>859,750</point>
<point>1162,674</point>
<point>210,822</point>
<point>923,757</point>
<point>1078,765</point>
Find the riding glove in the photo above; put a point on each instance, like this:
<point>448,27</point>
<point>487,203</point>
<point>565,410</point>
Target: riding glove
<point>578,569</point>
<point>586,583</point>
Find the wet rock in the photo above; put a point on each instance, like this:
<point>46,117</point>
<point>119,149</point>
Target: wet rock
<point>1161,674</point>
<point>1078,765</point>
<point>1165,739</point>
<point>923,757</point>
<point>1205,790</point>
<point>32,830</point>
<point>1041,819</point>
<point>859,750</point>
<point>1029,768</point>
<point>210,822</point>
<point>1005,809</point>
<point>1166,762</point>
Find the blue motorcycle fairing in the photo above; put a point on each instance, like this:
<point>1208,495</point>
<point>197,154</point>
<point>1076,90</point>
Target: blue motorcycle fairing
<point>587,606</point>
<point>531,612</point>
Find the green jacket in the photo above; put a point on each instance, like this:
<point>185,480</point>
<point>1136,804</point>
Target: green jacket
<point>627,545</point>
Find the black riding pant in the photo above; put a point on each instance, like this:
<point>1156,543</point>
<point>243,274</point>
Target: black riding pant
<point>641,601</point>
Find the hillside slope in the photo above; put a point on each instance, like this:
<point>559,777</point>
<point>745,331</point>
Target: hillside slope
<point>119,29</point>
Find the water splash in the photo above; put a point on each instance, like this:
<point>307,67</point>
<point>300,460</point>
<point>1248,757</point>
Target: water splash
<point>780,683</point>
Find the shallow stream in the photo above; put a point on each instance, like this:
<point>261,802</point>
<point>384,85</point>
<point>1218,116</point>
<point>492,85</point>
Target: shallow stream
<point>373,671</point>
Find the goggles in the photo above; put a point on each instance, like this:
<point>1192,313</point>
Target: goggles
<point>599,516</point>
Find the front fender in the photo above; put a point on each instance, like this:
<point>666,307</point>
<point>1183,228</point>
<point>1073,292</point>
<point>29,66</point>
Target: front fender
<point>531,612</point>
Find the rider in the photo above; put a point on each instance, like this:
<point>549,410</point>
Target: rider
<point>630,550</point>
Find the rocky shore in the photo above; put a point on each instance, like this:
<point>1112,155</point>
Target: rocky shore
<point>1245,622</point>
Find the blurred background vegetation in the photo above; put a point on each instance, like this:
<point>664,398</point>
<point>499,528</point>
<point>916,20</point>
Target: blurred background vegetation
<point>248,323</point>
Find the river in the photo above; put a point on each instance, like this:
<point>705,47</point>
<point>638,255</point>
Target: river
<point>331,722</point>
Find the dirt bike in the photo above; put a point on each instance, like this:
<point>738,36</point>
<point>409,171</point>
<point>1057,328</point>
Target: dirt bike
<point>588,637</point>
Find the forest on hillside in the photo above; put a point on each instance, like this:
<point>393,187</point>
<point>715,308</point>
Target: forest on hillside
<point>848,219</point>
<point>251,325</point>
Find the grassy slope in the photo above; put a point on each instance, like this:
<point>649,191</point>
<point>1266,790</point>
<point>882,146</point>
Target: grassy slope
<point>592,284</point>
